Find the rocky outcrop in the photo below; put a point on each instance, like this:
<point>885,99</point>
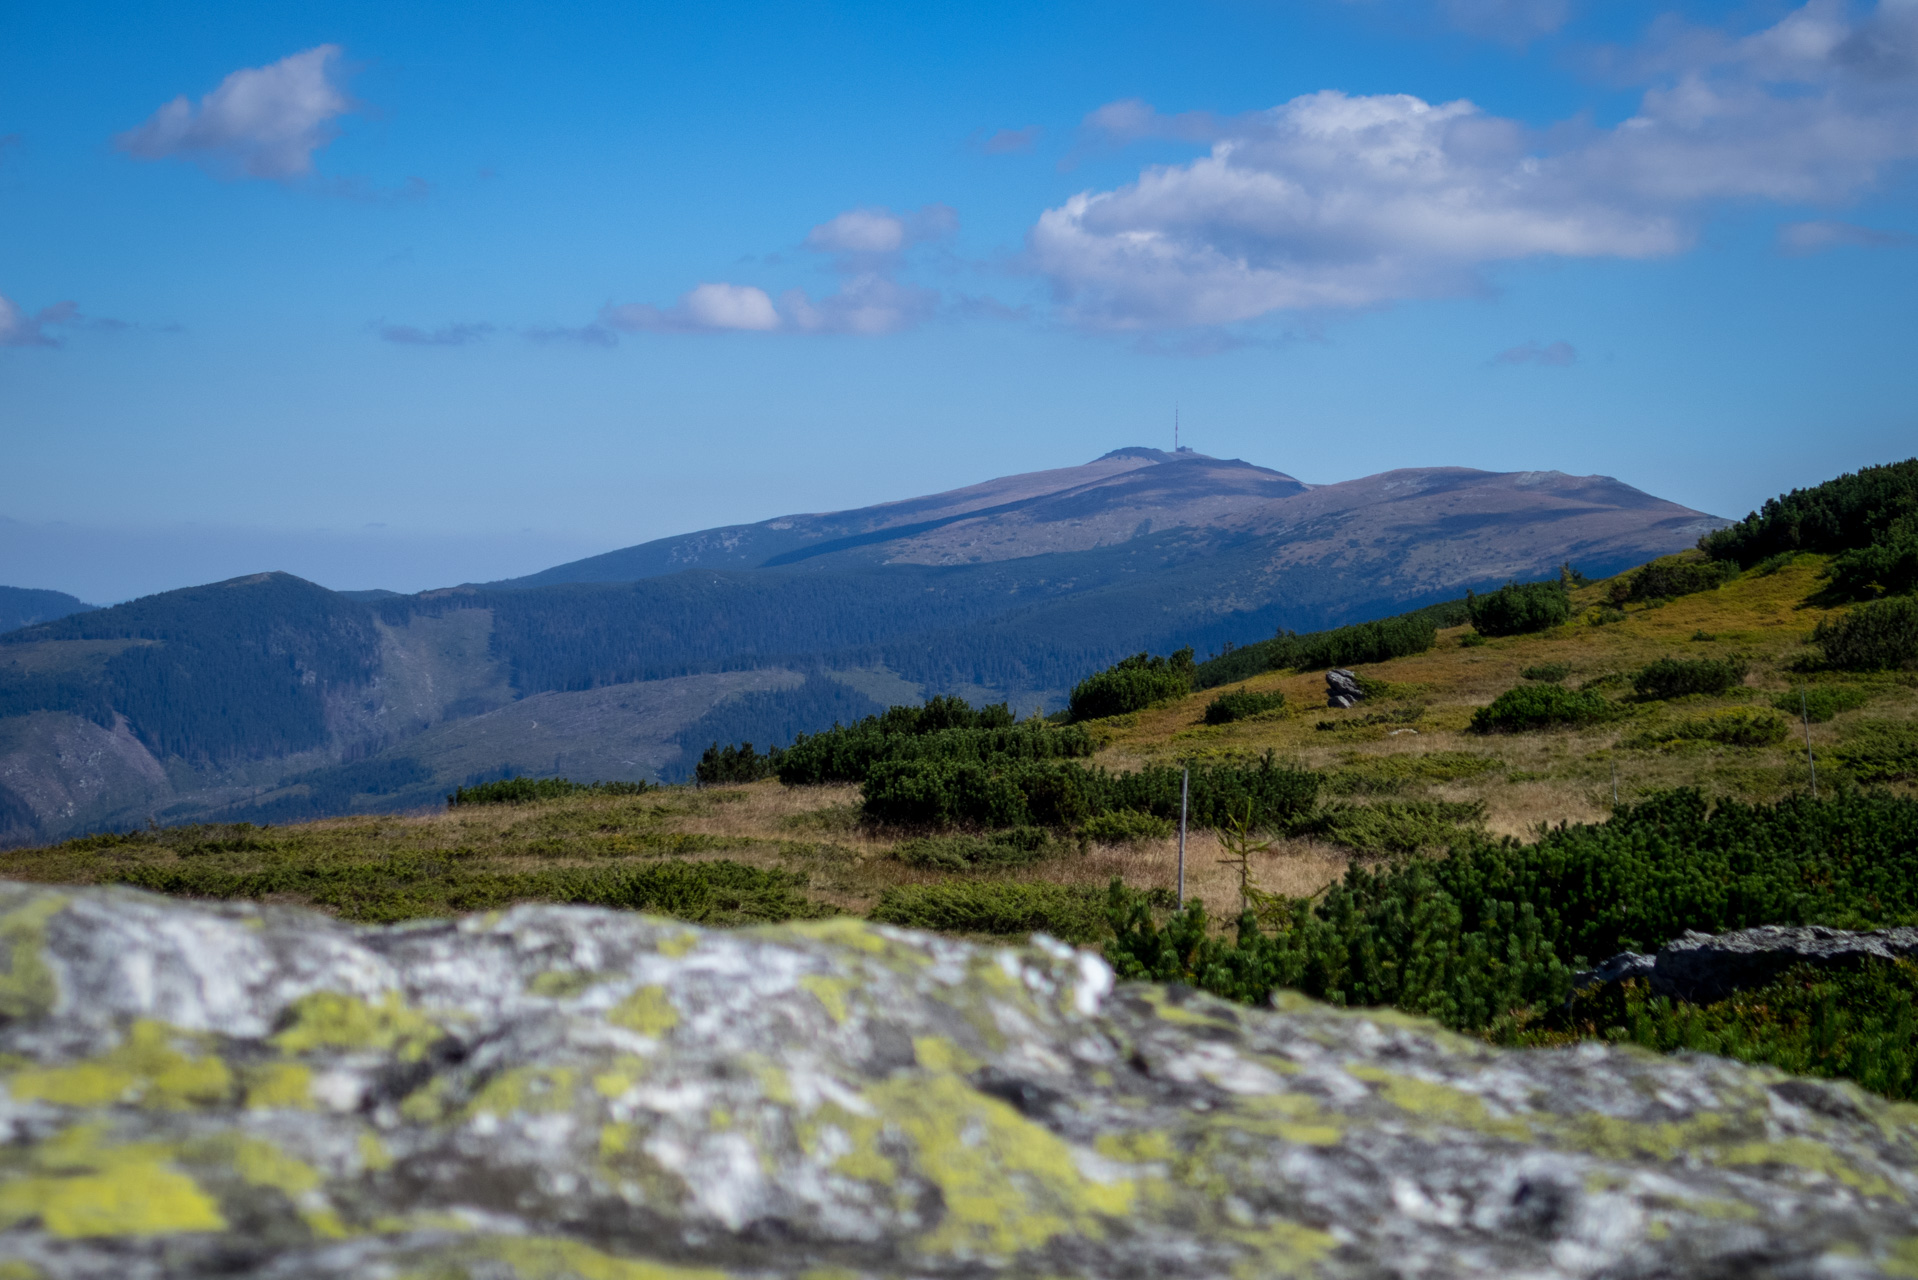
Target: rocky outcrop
<point>1342,689</point>
<point>191,1090</point>
<point>1705,967</point>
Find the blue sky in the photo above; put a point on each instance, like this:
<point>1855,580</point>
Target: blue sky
<point>408,295</point>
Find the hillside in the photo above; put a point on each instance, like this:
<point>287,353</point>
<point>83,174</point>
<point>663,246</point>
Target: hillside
<point>267,698</point>
<point>24,606</point>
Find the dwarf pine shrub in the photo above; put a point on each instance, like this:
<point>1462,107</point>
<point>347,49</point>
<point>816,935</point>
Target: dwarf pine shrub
<point>1134,684</point>
<point>1877,636</point>
<point>1242,704</point>
<point>1541,706</point>
<point>1676,677</point>
<point>1520,608</point>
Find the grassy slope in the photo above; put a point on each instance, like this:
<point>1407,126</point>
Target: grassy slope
<point>1522,780</point>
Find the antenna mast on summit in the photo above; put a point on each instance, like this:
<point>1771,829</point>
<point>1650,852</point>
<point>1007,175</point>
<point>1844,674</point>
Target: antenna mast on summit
<point>1175,428</point>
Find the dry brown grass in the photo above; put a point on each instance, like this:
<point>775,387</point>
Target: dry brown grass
<point>1536,779</point>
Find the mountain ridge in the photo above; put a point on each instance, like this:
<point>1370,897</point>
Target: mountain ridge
<point>267,698</point>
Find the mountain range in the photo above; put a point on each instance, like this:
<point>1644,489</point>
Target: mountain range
<point>268,697</point>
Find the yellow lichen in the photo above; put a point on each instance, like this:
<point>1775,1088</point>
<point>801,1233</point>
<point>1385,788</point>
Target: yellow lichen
<point>1440,1103</point>
<point>275,1085</point>
<point>936,1053</point>
<point>525,1091</point>
<point>562,984</point>
<point>1805,1154</point>
<point>830,992</point>
<point>536,1259</point>
<point>1008,1184</point>
<point>93,1188</point>
<point>675,945</point>
<point>373,1154</point>
<point>330,1020</point>
<point>647,1010</point>
<point>27,986</point>
<point>146,1068</point>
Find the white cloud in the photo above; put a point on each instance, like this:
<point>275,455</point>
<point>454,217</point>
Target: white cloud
<point>859,231</point>
<point>1812,237</point>
<point>867,246</point>
<point>262,122</point>
<point>709,308</point>
<point>1551,353</point>
<point>869,304</point>
<point>1332,200</point>
<point>18,329</point>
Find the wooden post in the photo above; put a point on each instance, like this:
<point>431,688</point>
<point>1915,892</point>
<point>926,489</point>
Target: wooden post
<point>1185,792</point>
<point>1804,709</point>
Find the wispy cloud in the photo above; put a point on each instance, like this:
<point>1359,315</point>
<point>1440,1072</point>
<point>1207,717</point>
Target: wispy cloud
<point>447,335</point>
<point>866,247</point>
<point>1550,353</point>
<point>589,335</point>
<point>1006,142</point>
<point>1337,201</point>
<point>1814,237</point>
<point>18,329</point>
<point>261,122</point>
<point>1514,22</point>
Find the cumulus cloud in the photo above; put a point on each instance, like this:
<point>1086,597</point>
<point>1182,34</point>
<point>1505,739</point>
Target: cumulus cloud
<point>1337,201</point>
<point>18,329</point>
<point>447,335</point>
<point>262,122</point>
<point>1551,353</point>
<point>866,248</point>
<point>1814,237</point>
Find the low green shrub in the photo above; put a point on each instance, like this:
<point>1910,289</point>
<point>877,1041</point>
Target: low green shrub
<point>1494,927</point>
<point>1380,641</point>
<point>1821,702</point>
<point>1855,510</point>
<point>1676,677</point>
<point>1016,847</point>
<point>1520,608</point>
<point>1888,567</point>
<point>1394,826</point>
<point>721,765</point>
<point>529,790</point>
<point>1541,706</point>
<point>1242,704</point>
<point>1548,672</point>
<point>1851,1024</point>
<point>1470,640</point>
<point>1126,826</point>
<point>1737,727</point>
<point>1673,576</point>
<point>848,754</point>
<point>1880,751</point>
<point>407,887</point>
<point>1070,913</point>
<point>1132,685</point>
<point>1877,636</point>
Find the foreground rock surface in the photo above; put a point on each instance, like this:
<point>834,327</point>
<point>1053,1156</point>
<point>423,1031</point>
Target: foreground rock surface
<point>558,1092</point>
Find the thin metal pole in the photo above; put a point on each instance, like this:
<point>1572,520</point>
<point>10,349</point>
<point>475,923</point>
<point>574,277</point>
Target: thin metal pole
<point>1804,709</point>
<point>1614,782</point>
<point>1185,792</point>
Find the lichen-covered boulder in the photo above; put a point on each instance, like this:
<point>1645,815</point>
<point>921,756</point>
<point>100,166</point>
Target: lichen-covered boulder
<point>192,1090</point>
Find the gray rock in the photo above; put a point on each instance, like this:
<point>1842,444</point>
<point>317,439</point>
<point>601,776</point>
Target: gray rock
<point>1706,967</point>
<point>1703,967</point>
<point>1342,689</point>
<point>1624,965</point>
<point>191,1089</point>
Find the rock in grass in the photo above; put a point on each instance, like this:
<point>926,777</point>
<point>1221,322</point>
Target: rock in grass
<point>1342,689</point>
<point>551,1092</point>
<point>1704,968</point>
